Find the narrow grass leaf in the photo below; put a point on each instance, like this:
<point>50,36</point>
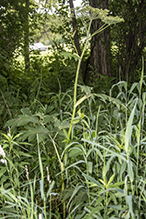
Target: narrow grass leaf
<point>42,188</point>
<point>110,180</point>
<point>129,202</point>
<point>40,161</point>
<point>130,171</point>
<point>93,215</point>
<point>100,146</point>
<point>50,189</point>
<point>129,129</point>
<point>93,180</point>
<point>76,190</point>
<point>90,167</point>
<point>73,165</point>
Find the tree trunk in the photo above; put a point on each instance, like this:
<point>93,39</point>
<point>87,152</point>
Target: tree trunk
<point>99,63</point>
<point>26,38</point>
<point>135,39</point>
<point>75,29</point>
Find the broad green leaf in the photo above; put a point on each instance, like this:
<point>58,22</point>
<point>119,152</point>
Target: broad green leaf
<point>26,111</point>
<point>75,152</point>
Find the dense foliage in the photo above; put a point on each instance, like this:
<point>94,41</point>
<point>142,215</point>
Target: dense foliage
<point>68,150</point>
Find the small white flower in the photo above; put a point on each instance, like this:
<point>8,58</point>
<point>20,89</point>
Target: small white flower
<point>9,135</point>
<point>27,173</point>
<point>2,151</point>
<point>3,161</point>
<point>48,176</point>
<point>40,216</point>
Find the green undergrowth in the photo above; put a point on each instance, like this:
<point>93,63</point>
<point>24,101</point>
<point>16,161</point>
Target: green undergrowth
<point>103,161</point>
<point>75,153</point>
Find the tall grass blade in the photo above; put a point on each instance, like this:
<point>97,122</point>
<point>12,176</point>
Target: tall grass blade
<point>129,129</point>
<point>129,202</point>
<point>106,149</point>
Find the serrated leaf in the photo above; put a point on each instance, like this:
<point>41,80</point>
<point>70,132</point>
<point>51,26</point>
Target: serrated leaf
<point>26,119</point>
<point>48,119</point>
<point>61,124</point>
<point>11,123</point>
<point>32,132</point>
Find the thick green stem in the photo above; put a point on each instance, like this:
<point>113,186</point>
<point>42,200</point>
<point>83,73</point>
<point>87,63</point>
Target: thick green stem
<point>76,80</point>
<point>78,70</point>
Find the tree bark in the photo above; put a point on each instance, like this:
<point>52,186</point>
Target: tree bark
<point>99,62</point>
<point>75,29</point>
<point>135,39</point>
<point>26,38</point>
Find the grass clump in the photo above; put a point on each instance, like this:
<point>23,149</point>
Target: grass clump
<point>97,171</point>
